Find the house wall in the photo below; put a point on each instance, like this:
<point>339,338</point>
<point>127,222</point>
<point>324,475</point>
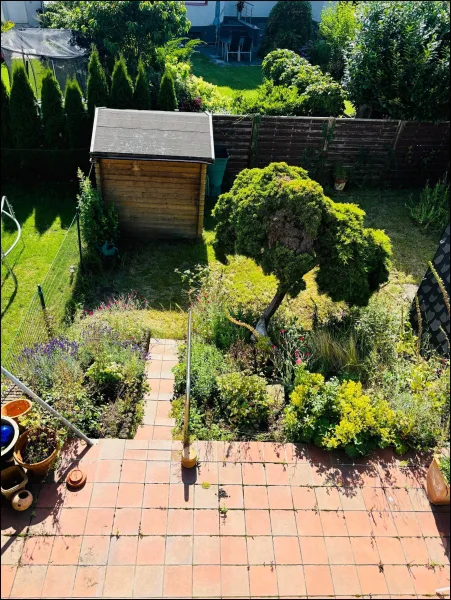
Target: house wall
<point>23,14</point>
<point>154,199</point>
<point>201,14</point>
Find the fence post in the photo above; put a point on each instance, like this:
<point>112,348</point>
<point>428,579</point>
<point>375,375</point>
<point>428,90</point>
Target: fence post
<point>41,297</point>
<point>79,239</point>
<point>256,119</point>
<point>47,324</point>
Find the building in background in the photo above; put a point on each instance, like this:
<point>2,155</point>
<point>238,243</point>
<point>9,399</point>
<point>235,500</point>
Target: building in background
<point>206,17</point>
<point>23,14</point>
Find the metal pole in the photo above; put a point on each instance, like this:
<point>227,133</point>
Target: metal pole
<point>79,238</point>
<point>41,297</point>
<point>46,406</point>
<point>188,383</point>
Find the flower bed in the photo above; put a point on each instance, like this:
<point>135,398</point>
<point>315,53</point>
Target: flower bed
<point>354,382</point>
<point>94,374</point>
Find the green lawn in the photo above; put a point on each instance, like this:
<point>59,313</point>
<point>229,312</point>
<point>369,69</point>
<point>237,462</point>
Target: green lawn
<point>5,76</point>
<point>44,211</point>
<point>230,80</point>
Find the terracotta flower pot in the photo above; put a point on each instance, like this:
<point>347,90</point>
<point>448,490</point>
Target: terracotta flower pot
<point>437,487</point>
<point>39,468</point>
<point>22,500</point>
<point>16,409</point>
<point>14,479</point>
<point>340,184</point>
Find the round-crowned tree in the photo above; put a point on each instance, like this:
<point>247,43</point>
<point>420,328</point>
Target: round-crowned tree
<point>289,26</point>
<point>281,218</point>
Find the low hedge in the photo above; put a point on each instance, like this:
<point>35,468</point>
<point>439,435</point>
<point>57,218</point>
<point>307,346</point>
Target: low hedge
<point>47,165</point>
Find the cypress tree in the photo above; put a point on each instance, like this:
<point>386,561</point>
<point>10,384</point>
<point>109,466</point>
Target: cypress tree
<point>97,86</point>
<point>6,135</point>
<point>53,118</point>
<point>24,110</point>
<point>142,99</point>
<point>121,86</point>
<point>167,100</point>
<point>78,126</point>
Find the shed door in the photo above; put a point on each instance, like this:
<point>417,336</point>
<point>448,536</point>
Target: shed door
<point>153,198</point>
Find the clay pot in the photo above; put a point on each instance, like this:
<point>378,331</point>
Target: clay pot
<point>437,487</point>
<point>22,500</point>
<point>16,409</point>
<point>340,184</point>
<point>76,479</point>
<point>14,479</point>
<point>39,468</point>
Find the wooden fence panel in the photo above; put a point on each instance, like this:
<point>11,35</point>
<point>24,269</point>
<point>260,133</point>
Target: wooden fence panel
<point>234,132</point>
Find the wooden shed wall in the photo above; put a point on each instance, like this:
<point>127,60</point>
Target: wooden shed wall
<point>154,198</point>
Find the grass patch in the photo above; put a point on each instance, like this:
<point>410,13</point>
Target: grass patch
<point>230,80</point>
<point>45,213</point>
<point>5,76</point>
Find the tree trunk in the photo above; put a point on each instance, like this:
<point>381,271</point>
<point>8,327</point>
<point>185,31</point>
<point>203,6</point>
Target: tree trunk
<point>262,324</point>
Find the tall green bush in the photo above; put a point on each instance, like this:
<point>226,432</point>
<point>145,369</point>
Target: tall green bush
<point>142,99</point>
<point>337,28</point>
<point>78,127</point>
<point>24,109</point>
<point>289,26</point>
<point>121,86</point>
<point>53,118</point>
<point>432,210</point>
<point>97,86</point>
<point>398,65</point>
<point>6,135</point>
<point>167,100</point>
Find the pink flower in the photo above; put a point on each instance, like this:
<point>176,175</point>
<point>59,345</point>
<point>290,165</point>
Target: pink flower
<point>308,353</point>
<point>299,361</point>
<point>282,331</point>
<point>302,338</point>
<point>296,353</point>
<point>274,347</point>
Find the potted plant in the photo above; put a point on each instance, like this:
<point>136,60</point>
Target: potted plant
<point>340,177</point>
<point>36,449</point>
<point>16,408</point>
<point>438,479</point>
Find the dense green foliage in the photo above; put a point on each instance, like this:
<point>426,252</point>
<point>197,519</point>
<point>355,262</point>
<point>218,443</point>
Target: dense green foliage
<point>98,222</point>
<point>53,117</point>
<point>399,63</point>
<point>24,110</point>
<point>289,26</point>
<point>243,400</point>
<point>78,126</point>
<point>6,135</point>
<point>121,95</point>
<point>280,66</point>
<point>133,29</point>
<point>97,86</point>
<point>444,464</point>
<point>300,228</point>
<point>432,210</point>
<point>337,29</point>
<point>142,99</point>
<point>167,100</point>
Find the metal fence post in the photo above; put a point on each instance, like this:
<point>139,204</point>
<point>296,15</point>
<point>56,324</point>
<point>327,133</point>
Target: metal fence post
<point>79,238</point>
<point>41,297</point>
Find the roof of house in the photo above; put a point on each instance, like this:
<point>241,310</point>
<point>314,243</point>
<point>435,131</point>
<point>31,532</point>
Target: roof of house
<point>153,135</point>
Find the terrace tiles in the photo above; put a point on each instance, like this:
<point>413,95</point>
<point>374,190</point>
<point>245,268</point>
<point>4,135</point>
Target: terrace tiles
<point>295,522</point>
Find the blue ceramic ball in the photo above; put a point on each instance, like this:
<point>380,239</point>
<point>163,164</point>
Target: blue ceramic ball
<point>6,434</point>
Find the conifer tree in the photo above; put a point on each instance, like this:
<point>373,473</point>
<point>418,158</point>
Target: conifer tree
<point>167,100</point>
<point>6,136</point>
<point>142,99</point>
<point>24,110</point>
<point>97,86</point>
<point>121,86</point>
<point>53,118</point>
<point>78,126</point>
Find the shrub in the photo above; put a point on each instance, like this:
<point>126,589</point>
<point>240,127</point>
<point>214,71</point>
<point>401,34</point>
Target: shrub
<point>142,93</point>
<point>432,210</point>
<point>244,401</point>
<point>300,228</point>
<point>121,95</point>
<point>98,222</point>
<point>271,99</point>
<point>337,28</point>
<point>78,126</point>
<point>207,362</point>
<point>279,66</point>
<point>444,464</point>
<point>289,26</point>
<point>6,134</point>
<point>167,99</point>
<point>399,63</point>
<point>97,86</point>
<point>24,110</point>
<point>53,117</point>
<point>212,99</point>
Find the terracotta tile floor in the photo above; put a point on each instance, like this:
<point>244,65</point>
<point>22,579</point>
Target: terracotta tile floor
<point>297,522</point>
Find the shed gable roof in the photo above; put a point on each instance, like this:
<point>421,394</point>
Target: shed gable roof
<point>152,135</point>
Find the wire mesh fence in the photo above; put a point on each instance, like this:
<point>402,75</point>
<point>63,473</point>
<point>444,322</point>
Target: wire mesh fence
<point>48,310</point>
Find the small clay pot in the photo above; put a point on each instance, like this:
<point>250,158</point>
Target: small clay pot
<point>22,500</point>
<point>437,488</point>
<point>16,409</point>
<point>76,479</point>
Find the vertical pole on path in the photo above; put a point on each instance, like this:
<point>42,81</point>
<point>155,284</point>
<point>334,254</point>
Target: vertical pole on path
<point>79,239</point>
<point>189,457</point>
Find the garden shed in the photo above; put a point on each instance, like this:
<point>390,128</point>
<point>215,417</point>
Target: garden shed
<point>152,165</point>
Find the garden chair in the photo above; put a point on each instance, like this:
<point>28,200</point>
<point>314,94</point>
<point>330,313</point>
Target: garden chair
<point>247,47</point>
<point>233,47</point>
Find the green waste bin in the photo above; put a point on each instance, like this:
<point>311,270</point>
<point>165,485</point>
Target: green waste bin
<point>215,172</point>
